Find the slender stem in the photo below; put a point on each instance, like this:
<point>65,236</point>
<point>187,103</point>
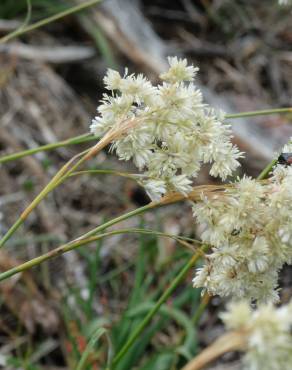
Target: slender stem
<point>161,300</point>
<point>83,241</point>
<point>114,221</point>
<point>64,172</point>
<point>27,18</point>
<point>60,177</point>
<point>72,141</point>
<point>199,311</point>
<point>104,172</point>
<point>53,18</point>
<point>11,231</point>
<point>66,247</point>
<point>121,128</point>
<point>264,112</point>
<point>264,174</point>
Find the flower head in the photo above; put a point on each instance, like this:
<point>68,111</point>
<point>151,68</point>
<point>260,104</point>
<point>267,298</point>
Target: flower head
<point>268,330</point>
<point>250,229</point>
<point>179,71</point>
<point>174,131</point>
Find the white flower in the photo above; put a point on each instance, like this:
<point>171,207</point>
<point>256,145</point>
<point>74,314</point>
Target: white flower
<point>99,126</point>
<point>288,147</point>
<point>181,183</point>
<point>179,71</point>
<point>225,160</point>
<point>112,80</point>
<point>201,278</point>
<point>249,227</point>
<point>237,315</point>
<point>175,132</point>
<point>155,189</point>
<point>268,332</point>
<point>138,88</point>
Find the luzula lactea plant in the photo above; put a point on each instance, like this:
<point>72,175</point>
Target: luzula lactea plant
<point>249,225</point>
<point>169,133</point>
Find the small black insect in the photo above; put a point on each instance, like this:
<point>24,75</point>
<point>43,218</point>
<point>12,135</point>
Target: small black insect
<point>235,232</point>
<point>285,159</point>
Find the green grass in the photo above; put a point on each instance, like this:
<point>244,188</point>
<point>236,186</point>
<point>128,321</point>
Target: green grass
<point>149,282</point>
<point>41,8</point>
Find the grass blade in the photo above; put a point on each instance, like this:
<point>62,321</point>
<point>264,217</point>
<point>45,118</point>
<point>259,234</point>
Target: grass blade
<point>90,346</point>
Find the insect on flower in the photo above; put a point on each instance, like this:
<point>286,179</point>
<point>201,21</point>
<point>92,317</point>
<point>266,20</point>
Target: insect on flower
<point>285,159</point>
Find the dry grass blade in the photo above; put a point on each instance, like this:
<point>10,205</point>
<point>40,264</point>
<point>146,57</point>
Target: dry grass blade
<point>228,342</point>
<point>195,194</point>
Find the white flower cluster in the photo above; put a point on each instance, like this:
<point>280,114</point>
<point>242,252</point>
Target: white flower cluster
<point>269,335</point>
<point>249,227</point>
<point>175,133</point>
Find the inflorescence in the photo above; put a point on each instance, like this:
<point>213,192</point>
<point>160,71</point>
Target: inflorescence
<point>249,227</point>
<point>175,132</point>
<point>268,334</point>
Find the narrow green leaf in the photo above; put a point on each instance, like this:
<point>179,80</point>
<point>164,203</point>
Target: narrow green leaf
<point>90,346</point>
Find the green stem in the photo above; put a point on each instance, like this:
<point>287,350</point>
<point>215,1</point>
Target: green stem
<point>161,300</point>
<point>53,18</point>
<point>10,232</point>
<point>104,172</point>
<point>256,113</point>
<point>265,112</point>
<point>203,304</point>
<point>66,170</point>
<point>60,177</point>
<point>264,174</point>
<point>85,239</point>
<point>72,141</point>
<point>123,217</point>
<point>26,21</point>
